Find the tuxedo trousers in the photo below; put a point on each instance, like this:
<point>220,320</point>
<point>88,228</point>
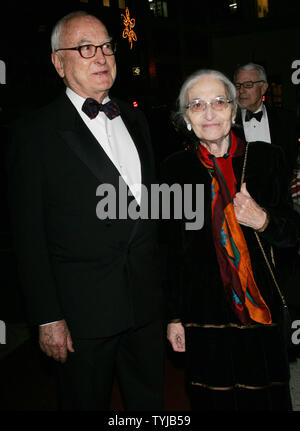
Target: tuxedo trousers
<point>134,357</point>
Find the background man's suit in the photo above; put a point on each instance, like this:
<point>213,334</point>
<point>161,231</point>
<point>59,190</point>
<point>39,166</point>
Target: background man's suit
<point>283,132</point>
<point>102,277</point>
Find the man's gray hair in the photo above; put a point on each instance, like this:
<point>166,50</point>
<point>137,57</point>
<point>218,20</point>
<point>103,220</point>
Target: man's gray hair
<point>191,80</point>
<point>57,29</point>
<point>262,76</point>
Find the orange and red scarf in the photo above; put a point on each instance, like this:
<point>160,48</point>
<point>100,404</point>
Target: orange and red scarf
<point>231,247</point>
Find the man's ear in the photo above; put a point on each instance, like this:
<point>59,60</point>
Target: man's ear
<point>58,64</point>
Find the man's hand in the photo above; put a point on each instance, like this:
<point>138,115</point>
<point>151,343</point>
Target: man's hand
<point>176,336</point>
<point>55,340</point>
<point>248,212</point>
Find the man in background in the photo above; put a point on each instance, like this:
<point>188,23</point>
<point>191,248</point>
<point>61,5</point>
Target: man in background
<point>257,120</point>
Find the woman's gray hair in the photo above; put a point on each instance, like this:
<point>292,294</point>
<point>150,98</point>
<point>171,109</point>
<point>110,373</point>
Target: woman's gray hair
<point>57,29</point>
<point>182,100</point>
<point>252,66</point>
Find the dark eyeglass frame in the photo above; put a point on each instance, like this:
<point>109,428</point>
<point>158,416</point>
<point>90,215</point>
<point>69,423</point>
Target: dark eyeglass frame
<point>79,49</point>
<point>216,99</point>
<point>247,84</point>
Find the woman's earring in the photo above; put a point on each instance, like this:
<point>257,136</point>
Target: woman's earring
<point>189,126</point>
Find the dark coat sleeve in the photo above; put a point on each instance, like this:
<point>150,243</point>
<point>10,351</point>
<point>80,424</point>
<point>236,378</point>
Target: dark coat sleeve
<point>25,190</point>
<point>283,129</point>
<point>173,239</point>
<point>268,181</point>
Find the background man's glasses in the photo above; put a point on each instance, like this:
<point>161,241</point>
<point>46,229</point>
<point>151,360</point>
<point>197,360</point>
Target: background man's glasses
<point>89,51</point>
<point>218,104</point>
<point>246,84</point>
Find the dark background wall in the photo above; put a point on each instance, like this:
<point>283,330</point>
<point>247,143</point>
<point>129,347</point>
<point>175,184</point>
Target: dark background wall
<point>191,34</point>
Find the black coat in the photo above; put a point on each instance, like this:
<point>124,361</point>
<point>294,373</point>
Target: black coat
<point>102,276</point>
<point>195,292</point>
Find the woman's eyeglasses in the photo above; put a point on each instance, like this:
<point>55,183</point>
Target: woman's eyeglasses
<point>218,104</point>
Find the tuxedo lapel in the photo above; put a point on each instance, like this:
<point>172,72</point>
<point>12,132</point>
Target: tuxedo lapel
<point>134,129</point>
<point>238,127</point>
<point>273,125</point>
<point>79,138</point>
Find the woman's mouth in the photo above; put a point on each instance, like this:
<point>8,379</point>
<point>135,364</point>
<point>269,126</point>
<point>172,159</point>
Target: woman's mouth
<point>210,125</point>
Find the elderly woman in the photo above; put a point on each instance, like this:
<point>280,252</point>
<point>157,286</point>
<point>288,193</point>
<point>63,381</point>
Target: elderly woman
<point>224,308</point>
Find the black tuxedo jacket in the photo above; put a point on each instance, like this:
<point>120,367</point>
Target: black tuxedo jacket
<point>283,132</point>
<point>102,276</point>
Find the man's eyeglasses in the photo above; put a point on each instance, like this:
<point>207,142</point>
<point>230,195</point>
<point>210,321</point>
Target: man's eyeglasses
<point>218,104</point>
<point>246,84</point>
<point>89,51</point>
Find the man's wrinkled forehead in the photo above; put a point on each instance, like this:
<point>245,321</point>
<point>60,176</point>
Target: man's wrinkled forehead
<point>83,27</point>
<point>247,75</point>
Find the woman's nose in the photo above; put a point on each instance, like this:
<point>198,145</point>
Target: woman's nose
<point>209,111</point>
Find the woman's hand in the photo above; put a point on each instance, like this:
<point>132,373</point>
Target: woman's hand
<point>176,336</point>
<point>248,212</point>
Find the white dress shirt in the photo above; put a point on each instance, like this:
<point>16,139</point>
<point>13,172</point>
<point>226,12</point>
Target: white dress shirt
<point>257,130</point>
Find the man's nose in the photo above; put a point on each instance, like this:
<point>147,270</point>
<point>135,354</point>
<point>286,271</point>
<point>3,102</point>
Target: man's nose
<point>99,55</point>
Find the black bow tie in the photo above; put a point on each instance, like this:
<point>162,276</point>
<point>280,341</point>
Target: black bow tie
<point>257,115</point>
<point>91,108</point>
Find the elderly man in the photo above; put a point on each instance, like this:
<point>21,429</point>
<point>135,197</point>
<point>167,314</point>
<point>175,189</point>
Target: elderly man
<point>261,122</point>
<point>92,285</point>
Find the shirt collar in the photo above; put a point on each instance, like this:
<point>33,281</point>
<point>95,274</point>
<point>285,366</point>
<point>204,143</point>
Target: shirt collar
<point>261,108</point>
<point>79,100</point>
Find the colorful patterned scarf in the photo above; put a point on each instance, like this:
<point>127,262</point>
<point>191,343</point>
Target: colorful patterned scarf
<point>231,247</point>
